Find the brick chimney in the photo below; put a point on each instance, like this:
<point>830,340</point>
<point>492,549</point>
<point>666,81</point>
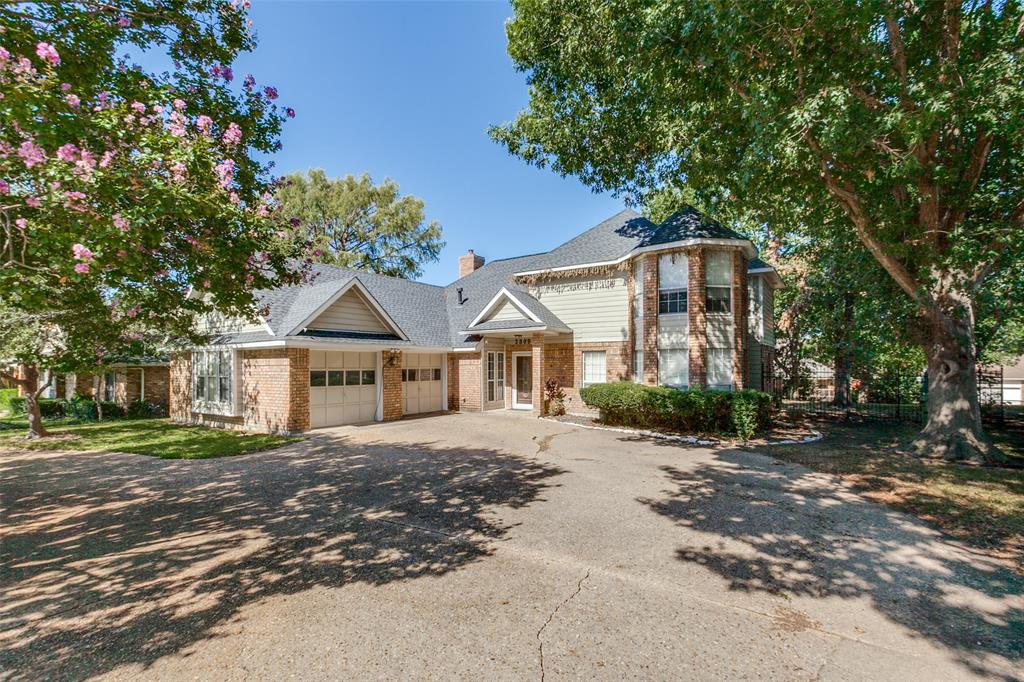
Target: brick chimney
<point>469,263</point>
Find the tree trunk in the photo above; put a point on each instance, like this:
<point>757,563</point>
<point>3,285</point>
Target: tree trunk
<point>843,357</point>
<point>97,395</point>
<point>954,430</point>
<point>35,417</point>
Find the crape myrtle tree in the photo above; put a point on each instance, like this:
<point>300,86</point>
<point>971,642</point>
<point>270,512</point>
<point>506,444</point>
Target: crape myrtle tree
<point>904,116</point>
<point>122,190</point>
<point>355,223</point>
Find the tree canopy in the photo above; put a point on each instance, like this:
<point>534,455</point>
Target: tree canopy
<point>352,222</point>
<point>123,190</point>
<point>904,118</point>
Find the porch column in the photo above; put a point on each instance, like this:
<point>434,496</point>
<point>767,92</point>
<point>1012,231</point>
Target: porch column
<point>537,349</point>
<point>650,330</point>
<point>392,387</point>
<point>740,320</point>
<point>698,319</point>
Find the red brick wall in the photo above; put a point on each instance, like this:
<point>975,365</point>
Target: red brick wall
<point>181,387</point>
<point>650,331</point>
<point>698,320</point>
<point>464,382</point>
<point>392,386</point>
<point>740,317</point>
<point>537,349</point>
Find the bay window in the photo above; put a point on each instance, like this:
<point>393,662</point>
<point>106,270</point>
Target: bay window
<point>720,368</point>
<point>718,268</point>
<point>673,283</point>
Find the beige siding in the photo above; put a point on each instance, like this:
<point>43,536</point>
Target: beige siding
<point>350,312</point>
<point>506,311</point>
<point>595,308</point>
<point>769,315</point>
<point>753,362</point>
<point>216,323</point>
<point>720,331</point>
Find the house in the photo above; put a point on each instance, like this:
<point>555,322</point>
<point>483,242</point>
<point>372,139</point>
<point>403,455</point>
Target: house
<point>123,383</point>
<point>682,303</point>
<point>1002,383</point>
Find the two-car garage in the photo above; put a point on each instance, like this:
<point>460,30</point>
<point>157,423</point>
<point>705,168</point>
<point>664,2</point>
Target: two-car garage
<point>344,386</point>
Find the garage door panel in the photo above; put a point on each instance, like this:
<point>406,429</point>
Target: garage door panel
<point>348,390</point>
<point>421,385</point>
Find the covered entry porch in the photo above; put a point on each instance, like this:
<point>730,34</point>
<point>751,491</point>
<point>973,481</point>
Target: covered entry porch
<point>513,371</point>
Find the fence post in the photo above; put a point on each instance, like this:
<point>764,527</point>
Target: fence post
<point>899,396</point>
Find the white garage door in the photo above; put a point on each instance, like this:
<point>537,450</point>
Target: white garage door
<point>421,382</point>
<point>342,387</point>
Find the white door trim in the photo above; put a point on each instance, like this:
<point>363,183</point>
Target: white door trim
<point>516,405</point>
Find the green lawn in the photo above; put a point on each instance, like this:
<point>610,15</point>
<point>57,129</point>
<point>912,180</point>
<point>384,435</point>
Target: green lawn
<point>152,437</point>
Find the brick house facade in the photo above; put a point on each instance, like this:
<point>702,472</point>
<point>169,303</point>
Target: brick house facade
<point>353,346</point>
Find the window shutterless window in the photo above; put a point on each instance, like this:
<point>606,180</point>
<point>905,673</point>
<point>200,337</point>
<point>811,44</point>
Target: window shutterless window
<point>672,301</point>
<point>213,377</point>
<point>495,376</point>
<point>674,367</point>
<point>720,368</point>
<point>594,367</point>
<point>719,281</point>
<point>638,366</point>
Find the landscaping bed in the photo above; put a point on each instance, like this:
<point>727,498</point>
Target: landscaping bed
<point>981,507</point>
<point>778,433</point>
<point>151,437</point>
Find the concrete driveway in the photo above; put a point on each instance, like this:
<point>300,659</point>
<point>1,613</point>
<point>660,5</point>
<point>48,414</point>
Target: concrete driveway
<point>482,547</point>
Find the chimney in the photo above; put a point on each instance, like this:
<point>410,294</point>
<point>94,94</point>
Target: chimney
<point>469,263</point>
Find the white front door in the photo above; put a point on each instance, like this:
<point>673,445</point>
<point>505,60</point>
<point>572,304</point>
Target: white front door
<point>342,387</point>
<point>522,381</point>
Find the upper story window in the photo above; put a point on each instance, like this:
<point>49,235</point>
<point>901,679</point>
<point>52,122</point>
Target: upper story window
<point>718,269</point>
<point>213,378</point>
<point>673,280</point>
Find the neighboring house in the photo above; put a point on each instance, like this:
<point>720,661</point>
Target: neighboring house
<point>1012,382</point>
<point>683,303</point>
<point>123,383</point>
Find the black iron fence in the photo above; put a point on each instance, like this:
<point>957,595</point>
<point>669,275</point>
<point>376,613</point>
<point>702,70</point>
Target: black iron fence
<point>887,395</point>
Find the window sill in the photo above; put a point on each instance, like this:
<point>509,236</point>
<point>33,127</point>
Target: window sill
<point>215,409</point>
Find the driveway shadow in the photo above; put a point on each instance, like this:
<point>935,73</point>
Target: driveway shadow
<point>780,529</point>
<point>120,559</point>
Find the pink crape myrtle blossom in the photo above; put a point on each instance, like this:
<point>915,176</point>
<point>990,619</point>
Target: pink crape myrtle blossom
<point>31,153</point>
<point>139,107</point>
<point>82,268</point>
<point>4,55</point>
<point>226,172</point>
<point>47,52</point>
<point>4,187</point>
<point>176,124</point>
<point>235,199</point>
<point>290,112</point>
<point>123,22</point>
<point>81,252</point>
<point>67,152</point>
<point>105,160</point>
<point>271,92</point>
<point>64,87</point>
<point>32,202</point>
<point>203,122</point>
<point>73,100</point>
<point>21,223</point>
<point>233,134</point>
<point>119,222</point>
<point>179,104</point>
<point>178,171</point>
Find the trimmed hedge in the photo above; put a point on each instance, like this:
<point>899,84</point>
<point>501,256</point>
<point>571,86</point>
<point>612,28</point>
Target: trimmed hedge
<point>6,395</point>
<point>48,408</point>
<point>742,413</point>
<point>77,408</point>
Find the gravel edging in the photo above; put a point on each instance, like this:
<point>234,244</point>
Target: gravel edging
<point>688,440</point>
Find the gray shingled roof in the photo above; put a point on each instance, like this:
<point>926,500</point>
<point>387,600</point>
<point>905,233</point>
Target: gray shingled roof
<point>497,325</point>
<point>432,316</point>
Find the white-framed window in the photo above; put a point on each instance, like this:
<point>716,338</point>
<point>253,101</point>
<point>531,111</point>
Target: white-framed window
<point>718,268</point>
<point>495,376</point>
<point>673,283</point>
<point>638,366</point>
<point>108,387</point>
<point>720,368</point>
<point>595,368</point>
<point>213,379</point>
<point>674,367</point>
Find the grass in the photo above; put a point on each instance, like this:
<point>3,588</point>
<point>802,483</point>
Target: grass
<point>151,437</point>
<point>981,507</point>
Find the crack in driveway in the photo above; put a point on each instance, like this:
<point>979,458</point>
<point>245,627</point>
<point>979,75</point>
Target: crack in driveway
<point>540,642</point>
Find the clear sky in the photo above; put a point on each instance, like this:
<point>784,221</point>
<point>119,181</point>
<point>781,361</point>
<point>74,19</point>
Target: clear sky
<point>406,90</point>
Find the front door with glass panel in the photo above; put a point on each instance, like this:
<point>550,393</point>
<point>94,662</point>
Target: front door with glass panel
<point>522,396</point>
<point>494,378</point>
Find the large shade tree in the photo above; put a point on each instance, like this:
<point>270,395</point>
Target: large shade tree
<point>122,190</point>
<point>904,116</point>
<point>353,222</point>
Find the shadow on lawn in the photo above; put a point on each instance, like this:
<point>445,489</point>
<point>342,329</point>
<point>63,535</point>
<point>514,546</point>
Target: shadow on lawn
<point>782,530</point>
<point>112,560</point>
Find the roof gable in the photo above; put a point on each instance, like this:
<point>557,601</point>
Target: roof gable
<point>350,311</point>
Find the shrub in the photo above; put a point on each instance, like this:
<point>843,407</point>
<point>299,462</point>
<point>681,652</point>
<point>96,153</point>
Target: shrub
<point>743,413</point>
<point>555,396</point>
<point>48,408</point>
<point>6,395</point>
<point>140,409</point>
<point>85,409</point>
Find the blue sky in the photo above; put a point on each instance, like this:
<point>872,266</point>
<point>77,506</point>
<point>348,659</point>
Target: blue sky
<point>407,91</point>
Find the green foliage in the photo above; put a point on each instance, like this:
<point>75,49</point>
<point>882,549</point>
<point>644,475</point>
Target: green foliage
<point>6,395</point>
<point>743,413</point>
<point>352,222</point>
<point>555,396</point>
<point>84,409</point>
<point>48,408</point>
<point>140,409</point>
<point>122,189</point>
